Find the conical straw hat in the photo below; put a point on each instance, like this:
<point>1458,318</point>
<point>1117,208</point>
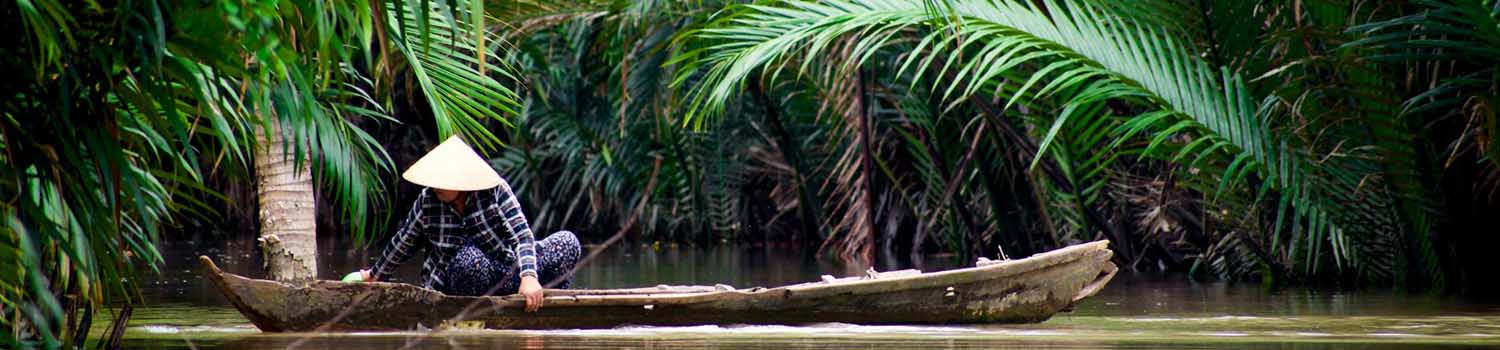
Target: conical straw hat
<point>453,166</point>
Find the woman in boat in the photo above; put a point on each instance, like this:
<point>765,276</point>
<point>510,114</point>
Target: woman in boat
<point>457,218</point>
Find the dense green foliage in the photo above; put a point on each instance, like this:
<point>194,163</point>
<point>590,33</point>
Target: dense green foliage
<point>1275,140</point>
<point>115,114</point>
<point>1306,140</point>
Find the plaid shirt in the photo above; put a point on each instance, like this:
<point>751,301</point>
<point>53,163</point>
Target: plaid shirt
<point>438,227</point>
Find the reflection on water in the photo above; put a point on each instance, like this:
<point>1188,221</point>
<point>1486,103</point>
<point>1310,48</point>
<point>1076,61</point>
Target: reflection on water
<point>1135,311</point>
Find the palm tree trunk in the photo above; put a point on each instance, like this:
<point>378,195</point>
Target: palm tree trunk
<point>288,210</point>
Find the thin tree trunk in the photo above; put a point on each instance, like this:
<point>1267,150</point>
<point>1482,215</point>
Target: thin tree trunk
<point>1028,149</point>
<point>288,210</point>
<point>955,177</point>
<point>861,110</point>
<point>808,201</point>
<point>855,175</point>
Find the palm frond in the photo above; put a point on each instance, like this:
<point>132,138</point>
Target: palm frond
<point>1075,46</point>
<point>1460,32</point>
<point>443,56</point>
<point>1462,36</point>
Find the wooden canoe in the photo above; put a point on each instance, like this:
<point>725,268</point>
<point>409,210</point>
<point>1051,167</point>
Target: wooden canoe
<point>1012,291</point>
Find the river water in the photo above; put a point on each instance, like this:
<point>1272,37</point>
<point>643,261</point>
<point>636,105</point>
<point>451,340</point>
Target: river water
<point>1136,311</point>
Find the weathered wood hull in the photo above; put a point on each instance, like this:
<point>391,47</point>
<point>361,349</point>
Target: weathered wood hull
<point>1015,291</point>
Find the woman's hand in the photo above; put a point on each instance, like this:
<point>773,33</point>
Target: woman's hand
<point>532,290</point>
<point>369,277</point>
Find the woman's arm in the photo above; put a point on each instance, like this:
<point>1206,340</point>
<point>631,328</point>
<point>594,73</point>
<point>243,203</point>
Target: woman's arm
<point>408,238</point>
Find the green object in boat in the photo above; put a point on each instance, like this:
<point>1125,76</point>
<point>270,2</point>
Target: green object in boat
<point>355,276</point>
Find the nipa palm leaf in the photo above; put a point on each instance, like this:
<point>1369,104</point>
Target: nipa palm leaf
<point>1062,46</point>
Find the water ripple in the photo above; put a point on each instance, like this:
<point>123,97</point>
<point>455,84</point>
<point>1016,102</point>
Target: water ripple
<point>170,329</point>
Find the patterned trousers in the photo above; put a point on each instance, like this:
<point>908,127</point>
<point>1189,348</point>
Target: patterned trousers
<point>473,273</point>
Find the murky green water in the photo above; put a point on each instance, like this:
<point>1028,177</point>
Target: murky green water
<point>1137,311</point>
